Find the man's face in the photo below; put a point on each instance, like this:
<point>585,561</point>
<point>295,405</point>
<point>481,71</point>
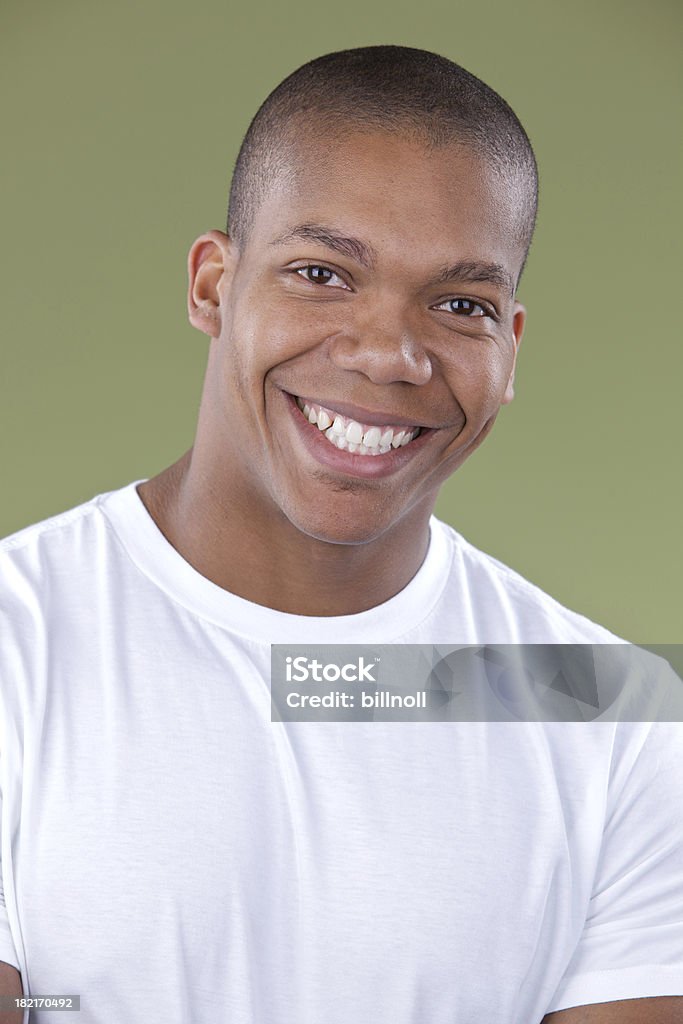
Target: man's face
<point>372,334</point>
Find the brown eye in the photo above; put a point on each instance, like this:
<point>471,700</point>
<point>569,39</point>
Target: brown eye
<point>465,306</point>
<point>317,274</point>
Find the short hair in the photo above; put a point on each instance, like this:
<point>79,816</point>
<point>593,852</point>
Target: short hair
<point>397,89</point>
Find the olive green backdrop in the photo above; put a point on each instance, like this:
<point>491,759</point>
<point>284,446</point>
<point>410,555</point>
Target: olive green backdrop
<point>121,123</point>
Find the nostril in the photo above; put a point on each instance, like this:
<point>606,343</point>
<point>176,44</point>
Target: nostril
<point>382,357</point>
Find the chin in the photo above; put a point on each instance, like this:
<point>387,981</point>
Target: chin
<point>340,528</point>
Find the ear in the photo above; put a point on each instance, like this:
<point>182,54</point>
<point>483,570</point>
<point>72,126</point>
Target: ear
<point>211,264</point>
<point>518,322</point>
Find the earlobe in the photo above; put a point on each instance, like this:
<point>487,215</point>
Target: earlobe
<point>206,318</point>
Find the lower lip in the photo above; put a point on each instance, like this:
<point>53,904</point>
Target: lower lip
<point>369,467</point>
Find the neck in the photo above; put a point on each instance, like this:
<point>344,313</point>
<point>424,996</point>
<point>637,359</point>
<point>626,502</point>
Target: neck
<point>262,557</point>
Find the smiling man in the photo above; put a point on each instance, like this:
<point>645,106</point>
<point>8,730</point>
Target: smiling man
<point>364,339</point>
<point>169,851</point>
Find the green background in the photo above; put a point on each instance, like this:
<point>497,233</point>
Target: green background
<point>121,123</point>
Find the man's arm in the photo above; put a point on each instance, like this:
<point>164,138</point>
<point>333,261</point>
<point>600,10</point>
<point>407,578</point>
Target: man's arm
<point>659,1010</point>
<point>10,985</point>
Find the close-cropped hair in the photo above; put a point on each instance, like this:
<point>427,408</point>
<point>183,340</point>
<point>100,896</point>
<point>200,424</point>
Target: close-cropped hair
<point>395,89</point>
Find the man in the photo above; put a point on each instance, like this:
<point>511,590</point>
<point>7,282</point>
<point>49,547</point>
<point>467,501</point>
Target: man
<point>171,853</point>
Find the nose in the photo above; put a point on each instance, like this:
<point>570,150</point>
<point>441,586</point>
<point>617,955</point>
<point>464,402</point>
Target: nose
<point>384,349</point>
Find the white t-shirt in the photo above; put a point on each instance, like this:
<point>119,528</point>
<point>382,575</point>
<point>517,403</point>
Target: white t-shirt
<point>170,853</point>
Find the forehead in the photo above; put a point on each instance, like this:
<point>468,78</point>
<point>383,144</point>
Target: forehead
<point>397,193</point>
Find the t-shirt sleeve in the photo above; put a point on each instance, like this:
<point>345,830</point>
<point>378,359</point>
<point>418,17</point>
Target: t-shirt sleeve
<point>631,945</point>
<point>7,951</point>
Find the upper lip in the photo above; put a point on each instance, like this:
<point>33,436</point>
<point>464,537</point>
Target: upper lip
<point>372,417</point>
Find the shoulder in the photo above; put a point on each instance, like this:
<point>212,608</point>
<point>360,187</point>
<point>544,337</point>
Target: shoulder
<point>51,528</point>
<point>34,547</point>
<point>44,563</point>
<point>502,601</point>
<point>49,572</point>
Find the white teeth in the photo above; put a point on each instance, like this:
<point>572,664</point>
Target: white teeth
<point>371,437</point>
<point>354,433</point>
<point>348,435</point>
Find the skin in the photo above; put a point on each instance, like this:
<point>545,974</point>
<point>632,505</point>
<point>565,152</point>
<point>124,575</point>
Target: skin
<point>247,505</point>
<point>662,1010</point>
<point>10,985</point>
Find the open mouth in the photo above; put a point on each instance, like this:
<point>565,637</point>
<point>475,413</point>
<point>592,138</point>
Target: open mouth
<point>352,436</point>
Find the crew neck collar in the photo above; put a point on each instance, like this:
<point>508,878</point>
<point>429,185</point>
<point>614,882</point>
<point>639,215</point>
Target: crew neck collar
<point>155,556</point>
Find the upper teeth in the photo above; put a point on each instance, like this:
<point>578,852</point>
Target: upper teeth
<point>355,437</point>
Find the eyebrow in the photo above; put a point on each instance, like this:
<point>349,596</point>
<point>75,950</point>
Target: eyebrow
<point>474,271</point>
<point>465,270</point>
<point>334,239</point>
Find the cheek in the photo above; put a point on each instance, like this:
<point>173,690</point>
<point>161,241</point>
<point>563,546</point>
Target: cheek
<point>478,379</point>
<point>269,330</point>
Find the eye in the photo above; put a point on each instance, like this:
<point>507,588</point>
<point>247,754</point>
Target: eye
<point>466,307</point>
<point>317,274</point>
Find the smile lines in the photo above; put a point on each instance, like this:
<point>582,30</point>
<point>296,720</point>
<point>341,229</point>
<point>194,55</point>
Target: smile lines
<point>352,436</point>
